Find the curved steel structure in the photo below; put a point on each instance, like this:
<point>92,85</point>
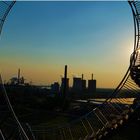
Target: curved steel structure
<point>10,127</point>
<point>100,120</point>
<point>5,7</point>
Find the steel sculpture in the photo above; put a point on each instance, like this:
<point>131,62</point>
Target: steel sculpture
<point>95,124</point>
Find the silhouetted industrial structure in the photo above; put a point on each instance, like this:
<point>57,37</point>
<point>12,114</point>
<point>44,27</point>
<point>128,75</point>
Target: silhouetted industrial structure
<point>78,88</point>
<point>17,80</point>
<point>18,76</point>
<point>64,83</point>
<point>55,87</point>
<point>79,84</point>
<point>83,83</point>
<point>92,85</point>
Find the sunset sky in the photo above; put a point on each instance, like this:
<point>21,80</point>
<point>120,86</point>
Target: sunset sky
<point>90,37</point>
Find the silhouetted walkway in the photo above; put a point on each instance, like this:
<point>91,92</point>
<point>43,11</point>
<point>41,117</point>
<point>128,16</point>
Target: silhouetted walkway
<point>129,131</point>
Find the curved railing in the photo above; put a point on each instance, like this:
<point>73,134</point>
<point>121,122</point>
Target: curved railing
<point>5,7</point>
<point>102,119</point>
<point>10,127</point>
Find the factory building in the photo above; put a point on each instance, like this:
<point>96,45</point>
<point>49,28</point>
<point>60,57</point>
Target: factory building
<point>79,84</point>
<point>92,85</point>
<point>83,83</point>
<point>55,87</point>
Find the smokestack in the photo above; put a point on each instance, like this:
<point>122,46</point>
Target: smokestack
<point>65,81</point>
<point>92,76</point>
<point>18,75</point>
<point>65,73</point>
<point>65,87</point>
<point>82,76</point>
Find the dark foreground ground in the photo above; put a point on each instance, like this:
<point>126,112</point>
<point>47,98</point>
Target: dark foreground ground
<point>41,110</point>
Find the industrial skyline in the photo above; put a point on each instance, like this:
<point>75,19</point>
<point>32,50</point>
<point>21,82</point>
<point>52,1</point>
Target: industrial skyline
<point>78,82</point>
<point>79,87</point>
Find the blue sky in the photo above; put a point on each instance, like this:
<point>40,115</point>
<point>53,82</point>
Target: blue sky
<point>90,37</point>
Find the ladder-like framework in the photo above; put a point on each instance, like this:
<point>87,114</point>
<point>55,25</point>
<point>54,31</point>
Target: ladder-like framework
<point>10,127</point>
<point>97,123</point>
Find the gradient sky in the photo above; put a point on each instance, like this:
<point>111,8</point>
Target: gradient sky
<point>90,37</point>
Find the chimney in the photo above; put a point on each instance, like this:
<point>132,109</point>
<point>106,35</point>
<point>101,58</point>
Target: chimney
<point>82,76</point>
<point>65,81</point>
<point>18,75</point>
<point>92,76</point>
